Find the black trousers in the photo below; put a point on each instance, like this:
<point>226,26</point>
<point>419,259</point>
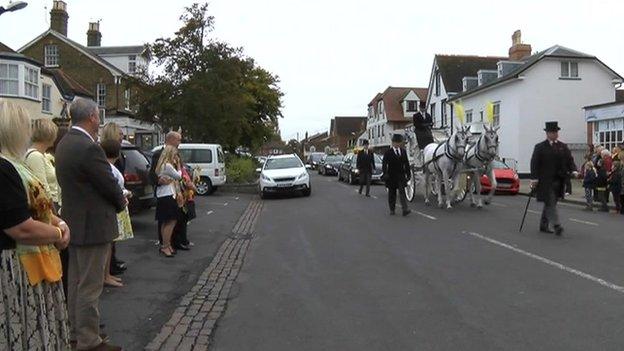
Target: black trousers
<point>550,215</point>
<point>365,180</point>
<point>179,231</point>
<point>392,195</point>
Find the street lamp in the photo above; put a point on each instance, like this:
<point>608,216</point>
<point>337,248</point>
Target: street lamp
<point>13,6</point>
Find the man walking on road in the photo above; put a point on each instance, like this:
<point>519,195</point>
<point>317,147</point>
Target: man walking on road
<point>551,164</point>
<point>365,166</point>
<point>396,173</point>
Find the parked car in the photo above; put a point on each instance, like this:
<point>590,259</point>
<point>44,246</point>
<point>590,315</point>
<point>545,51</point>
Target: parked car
<point>330,164</point>
<point>210,159</point>
<point>137,179</point>
<point>348,169</point>
<point>507,180</point>
<point>284,174</point>
<point>314,159</point>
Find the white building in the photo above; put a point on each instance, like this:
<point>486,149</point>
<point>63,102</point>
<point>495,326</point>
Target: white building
<point>605,124</point>
<point>551,85</point>
<point>391,110</point>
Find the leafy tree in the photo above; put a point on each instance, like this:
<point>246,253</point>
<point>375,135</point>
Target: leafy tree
<point>210,89</point>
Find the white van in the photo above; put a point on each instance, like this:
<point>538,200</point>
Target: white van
<point>210,159</point>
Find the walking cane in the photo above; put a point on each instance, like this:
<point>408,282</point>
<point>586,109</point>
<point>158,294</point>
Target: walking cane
<point>526,209</point>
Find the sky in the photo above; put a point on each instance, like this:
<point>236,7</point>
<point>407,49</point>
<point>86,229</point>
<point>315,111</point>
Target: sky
<point>334,56</point>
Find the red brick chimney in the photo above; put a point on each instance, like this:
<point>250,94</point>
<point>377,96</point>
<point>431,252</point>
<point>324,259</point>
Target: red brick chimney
<point>518,50</point>
<point>59,16</point>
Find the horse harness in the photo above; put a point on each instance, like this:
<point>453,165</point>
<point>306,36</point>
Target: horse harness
<point>484,160</point>
<point>447,153</point>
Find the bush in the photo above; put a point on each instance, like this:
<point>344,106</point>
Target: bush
<point>240,170</point>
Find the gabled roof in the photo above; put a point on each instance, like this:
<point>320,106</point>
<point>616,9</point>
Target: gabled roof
<point>453,68</point>
<point>344,125</point>
<point>375,99</point>
<point>4,48</point>
<point>420,92</point>
<point>67,85</point>
<point>139,50</point>
<point>84,50</point>
<point>556,51</point>
<point>393,98</point>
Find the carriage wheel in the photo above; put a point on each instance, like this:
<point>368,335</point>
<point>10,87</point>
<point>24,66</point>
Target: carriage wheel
<point>410,188</point>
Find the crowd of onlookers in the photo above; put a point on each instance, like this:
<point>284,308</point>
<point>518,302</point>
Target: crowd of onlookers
<point>63,209</point>
<point>603,178</point>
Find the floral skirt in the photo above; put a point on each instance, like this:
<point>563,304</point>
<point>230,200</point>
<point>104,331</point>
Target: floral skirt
<point>125,225</point>
<point>31,317</point>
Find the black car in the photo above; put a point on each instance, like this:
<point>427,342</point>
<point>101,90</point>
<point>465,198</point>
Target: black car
<point>330,164</point>
<point>136,178</point>
<point>348,169</point>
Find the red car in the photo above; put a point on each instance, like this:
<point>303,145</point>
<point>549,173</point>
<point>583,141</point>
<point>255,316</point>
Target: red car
<point>507,180</point>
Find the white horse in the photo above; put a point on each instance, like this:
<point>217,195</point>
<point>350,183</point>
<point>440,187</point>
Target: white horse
<point>478,160</point>
<point>444,160</point>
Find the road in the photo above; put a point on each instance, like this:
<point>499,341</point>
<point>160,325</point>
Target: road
<point>336,272</point>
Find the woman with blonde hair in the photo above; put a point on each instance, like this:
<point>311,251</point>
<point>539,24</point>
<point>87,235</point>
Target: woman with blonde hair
<point>44,133</point>
<point>168,195</point>
<point>33,314</point>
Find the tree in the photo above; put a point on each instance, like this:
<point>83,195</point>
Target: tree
<point>210,89</point>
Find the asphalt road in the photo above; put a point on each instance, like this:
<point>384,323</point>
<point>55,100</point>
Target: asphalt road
<point>336,272</point>
<point>135,313</point>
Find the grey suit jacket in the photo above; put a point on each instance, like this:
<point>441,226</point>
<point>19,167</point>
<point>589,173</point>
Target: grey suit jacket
<point>90,194</point>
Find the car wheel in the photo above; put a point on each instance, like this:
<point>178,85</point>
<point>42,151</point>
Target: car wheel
<point>204,186</point>
<point>339,176</point>
<point>307,192</point>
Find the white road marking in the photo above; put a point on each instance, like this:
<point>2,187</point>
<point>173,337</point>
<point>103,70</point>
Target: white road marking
<point>374,197</point>
<point>583,222</point>
<point>425,215</point>
<point>209,213</point>
<point>534,212</point>
<point>552,263</point>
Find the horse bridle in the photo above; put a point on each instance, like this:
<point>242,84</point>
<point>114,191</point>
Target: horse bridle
<point>478,156</point>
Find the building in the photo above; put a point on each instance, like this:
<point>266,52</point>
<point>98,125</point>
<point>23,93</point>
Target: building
<point>391,110</point>
<point>605,124</point>
<point>344,132</point>
<point>104,71</point>
<point>551,85</point>
<point>43,92</point>
<point>319,142</point>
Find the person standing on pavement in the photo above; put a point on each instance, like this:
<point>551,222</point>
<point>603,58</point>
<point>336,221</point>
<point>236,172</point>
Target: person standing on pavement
<point>169,197</point>
<point>396,173</point>
<point>365,165</point>
<point>551,164</point>
<point>91,200</point>
<point>589,183</point>
<point>615,185</point>
<point>602,186</point>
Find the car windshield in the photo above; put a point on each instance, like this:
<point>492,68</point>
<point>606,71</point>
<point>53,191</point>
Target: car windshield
<point>333,159</point>
<point>282,163</point>
<point>316,157</point>
<point>499,165</point>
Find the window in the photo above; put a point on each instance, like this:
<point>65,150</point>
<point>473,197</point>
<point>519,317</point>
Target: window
<point>437,83</point>
<point>101,94</point>
<point>443,114</point>
<point>9,80</point>
<point>412,106</point>
<point>31,82</point>
<point>609,132</point>
<point>46,98</point>
<point>51,55</point>
<point>433,114</point>
<point>469,116</point>
<point>569,69</point>
<point>383,130</point>
<point>496,114</point>
<point>132,64</point>
<point>127,99</point>
<point>202,156</point>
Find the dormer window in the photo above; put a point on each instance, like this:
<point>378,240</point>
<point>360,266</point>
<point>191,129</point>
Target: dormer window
<point>412,106</point>
<point>437,83</point>
<point>569,70</point>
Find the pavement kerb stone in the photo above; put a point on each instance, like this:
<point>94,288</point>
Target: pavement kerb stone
<point>193,322</point>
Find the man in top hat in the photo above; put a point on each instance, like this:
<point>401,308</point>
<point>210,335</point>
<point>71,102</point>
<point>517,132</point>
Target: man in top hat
<point>551,165</point>
<point>365,165</point>
<point>422,126</point>
<point>396,173</point>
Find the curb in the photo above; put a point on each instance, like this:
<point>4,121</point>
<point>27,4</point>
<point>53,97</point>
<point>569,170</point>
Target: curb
<point>246,188</point>
<point>569,201</point>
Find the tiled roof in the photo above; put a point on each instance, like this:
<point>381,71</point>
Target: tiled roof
<point>554,51</point>
<point>393,98</point>
<point>117,50</point>
<point>4,48</point>
<point>68,86</point>
<point>346,125</point>
<point>453,68</point>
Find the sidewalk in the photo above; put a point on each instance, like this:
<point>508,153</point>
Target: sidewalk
<point>577,196</point>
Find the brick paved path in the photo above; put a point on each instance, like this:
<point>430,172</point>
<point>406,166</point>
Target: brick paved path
<point>192,323</point>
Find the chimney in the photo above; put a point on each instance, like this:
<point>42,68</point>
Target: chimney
<point>518,51</point>
<point>94,37</point>
<point>59,16</point>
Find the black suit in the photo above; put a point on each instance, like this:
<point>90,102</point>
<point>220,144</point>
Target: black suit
<point>422,129</point>
<point>365,165</point>
<point>397,172</point>
<point>551,165</point>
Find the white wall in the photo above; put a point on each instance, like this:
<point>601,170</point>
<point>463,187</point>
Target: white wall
<point>121,61</point>
<point>437,100</point>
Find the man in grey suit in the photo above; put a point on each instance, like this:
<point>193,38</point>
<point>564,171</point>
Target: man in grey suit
<point>91,200</point>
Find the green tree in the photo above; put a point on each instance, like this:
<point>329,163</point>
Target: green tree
<point>211,90</point>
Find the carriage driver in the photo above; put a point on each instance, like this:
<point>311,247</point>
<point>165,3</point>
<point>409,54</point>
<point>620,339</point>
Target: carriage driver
<point>422,128</point>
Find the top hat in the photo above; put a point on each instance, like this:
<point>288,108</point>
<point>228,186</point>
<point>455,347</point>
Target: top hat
<point>397,138</point>
<point>364,142</point>
<point>552,126</point>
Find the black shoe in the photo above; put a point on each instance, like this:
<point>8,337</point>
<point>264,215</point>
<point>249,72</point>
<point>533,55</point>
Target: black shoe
<point>120,261</point>
<point>367,195</point>
<point>558,230</point>
<point>406,212</point>
<point>116,271</point>
<point>546,230</point>
<point>121,266</point>
<point>182,247</point>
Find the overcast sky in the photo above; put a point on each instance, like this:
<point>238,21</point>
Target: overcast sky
<point>333,56</point>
